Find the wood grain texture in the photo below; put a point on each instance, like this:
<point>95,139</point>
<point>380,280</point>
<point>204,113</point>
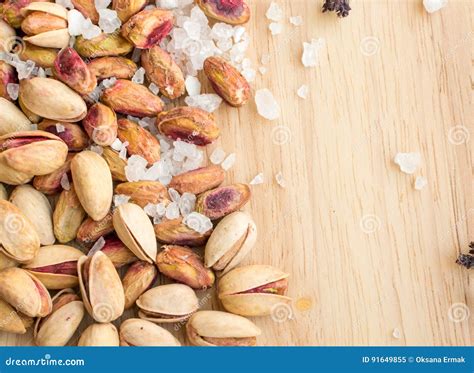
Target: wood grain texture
<point>366,252</point>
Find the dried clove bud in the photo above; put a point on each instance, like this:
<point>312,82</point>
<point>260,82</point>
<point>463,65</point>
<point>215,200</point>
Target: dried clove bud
<point>467,260</point>
<point>341,7</point>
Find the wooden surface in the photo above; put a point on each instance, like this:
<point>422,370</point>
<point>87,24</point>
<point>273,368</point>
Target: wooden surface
<point>367,253</point>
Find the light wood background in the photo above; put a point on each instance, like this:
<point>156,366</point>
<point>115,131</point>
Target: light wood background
<point>367,253</point>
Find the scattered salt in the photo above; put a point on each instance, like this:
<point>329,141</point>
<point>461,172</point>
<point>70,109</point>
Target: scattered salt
<point>135,168</point>
<point>174,195</point>
<point>13,90</point>
<point>274,12</point>
<point>432,6</point>
<point>275,28</point>
<point>187,203</point>
<point>311,52</point>
<point>154,89</point>
<point>280,180</point>
<point>193,85</point>
<point>139,76</point>
<point>217,156</point>
<point>120,199</point>
<point>267,106</point>
<point>198,222</point>
<point>209,102</point>
<point>172,211</point>
<point>65,3</point>
<point>257,179</point>
<point>108,20</point>
<point>408,162</point>
<point>249,74</point>
<point>222,31</point>
<point>229,161</point>
<point>89,30</point>
<point>168,4</point>
<point>123,151</point>
<point>102,4</point>
<point>97,149</point>
<point>296,20</point>
<point>65,182</point>
<point>116,145</point>
<point>420,182</point>
<point>75,22</point>
<point>41,73</point>
<point>262,70</point>
<point>60,128</point>
<point>303,91</point>
<point>396,333</point>
<point>98,245</point>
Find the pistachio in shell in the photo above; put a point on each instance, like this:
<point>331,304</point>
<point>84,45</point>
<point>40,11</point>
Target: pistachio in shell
<point>168,303</point>
<point>135,230</point>
<point>90,230</point>
<point>175,232</point>
<point>12,118</point>
<point>117,67</point>
<point>72,70</point>
<point>232,239</point>
<point>24,292</point>
<point>72,134</point>
<point>129,98</point>
<point>36,207</point>
<point>7,36</point>
<point>11,10</point>
<point>253,290</point>
<point>51,183</point>
<point>116,164</point>
<point>10,320</point>
<point>216,328</point>
<point>183,265</point>
<point>234,12</point>
<point>103,45</point>
<point>127,8</point>
<point>7,76</point>
<point>39,22</point>
<point>143,192</point>
<point>148,27</point>
<point>140,141</point>
<point>52,99</point>
<point>93,183</point>
<point>162,70</point>
<point>101,288</point>
<point>138,279</point>
<point>32,117</point>
<point>137,332</point>
<point>68,215</point>
<point>57,328</point>
<point>18,237</point>
<point>100,124</point>
<point>56,266</point>
<point>100,335</point>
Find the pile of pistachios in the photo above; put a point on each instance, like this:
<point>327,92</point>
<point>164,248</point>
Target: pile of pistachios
<point>73,259</point>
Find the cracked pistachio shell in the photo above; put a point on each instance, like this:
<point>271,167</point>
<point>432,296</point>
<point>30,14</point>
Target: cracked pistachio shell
<point>230,242</point>
<point>168,303</point>
<point>56,266</point>
<point>36,207</point>
<point>30,153</point>
<point>137,332</point>
<point>3,192</point>
<point>24,292</point>
<point>101,288</point>
<point>135,230</point>
<point>18,237</point>
<point>10,320</point>
<point>58,328</point>
<point>216,328</point>
<point>100,335</point>
<point>93,182</point>
<point>234,290</point>
<point>52,99</point>
<point>12,118</point>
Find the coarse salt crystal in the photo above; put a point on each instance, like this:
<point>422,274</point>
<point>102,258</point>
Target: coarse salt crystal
<point>65,3</point>
<point>303,91</point>
<point>420,182</point>
<point>209,102</point>
<point>120,199</point>
<point>262,70</point>
<point>154,89</point>
<point>198,222</point>
<point>60,128</point>
<point>311,52</point>
<point>275,28</point>
<point>267,106</point>
<point>168,4</point>
<point>280,180</point>
<point>97,149</point>
<point>187,203</point>
<point>296,20</point>
<point>89,30</point>
<point>217,156</point>
<point>123,151</point>
<point>172,211</point>
<point>229,161</point>
<point>274,12</point>
<point>432,6</point>
<point>102,4</point>
<point>65,182</point>
<point>13,90</point>
<point>139,76</point>
<point>249,74</point>
<point>135,168</point>
<point>174,195</point>
<point>193,85</point>
<point>408,162</point>
<point>116,145</point>
<point>257,179</point>
<point>109,21</point>
<point>98,245</point>
<point>75,22</point>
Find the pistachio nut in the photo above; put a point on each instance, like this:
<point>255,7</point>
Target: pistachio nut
<point>3,192</point>
<point>140,141</point>
<point>216,328</point>
<point>143,192</point>
<point>7,76</point>
<point>162,70</point>
<point>148,27</point>
<point>219,202</point>
<point>68,215</point>
<point>24,292</point>
<point>117,67</point>
<point>91,230</point>
<point>130,98</point>
<point>127,8</point>
<point>42,57</point>
<point>72,134</point>
<point>10,320</point>
<point>175,232</point>
<point>116,164</point>
<point>29,153</point>
<point>183,265</point>
<point>7,36</point>
<point>6,262</point>
<point>12,119</point>
<point>51,183</point>
<point>72,70</point>
<point>89,170</point>
<point>135,230</point>
<point>52,99</point>
<point>101,289</point>
<point>36,207</point>
<point>32,117</point>
<point>11,10</point>
<point>234,12</point>
<point>253,290</point>
<point>137,332</point>
<point>56,266</point>
<point>46,24</point>
<point>18,237</point>
<point>138,279</point>
<point>227,81</point>
<point>100,124</point>
<point>190,124</point>
<point>199,180</point>
<point>87,8</point>
<point>100,335</point>
<point>168,303</point>
<point>57,328</point>
<point>103,45</point>
<point>117,252</point>
<point>232,239</point>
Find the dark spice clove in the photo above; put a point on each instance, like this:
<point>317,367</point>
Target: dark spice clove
<point>467,260</point>
<point>341,7</point>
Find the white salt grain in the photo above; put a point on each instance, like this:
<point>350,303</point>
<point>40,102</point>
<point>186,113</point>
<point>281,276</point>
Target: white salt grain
<point>193,85</point>
<point>139,76</point>
<point>174,195</point>
<point>75,22</point>
<point>187,203</point>
<point>296,20</point>
<point>168,4</point>
<point>13,89</point>
<point>396,333</point>
<point>420,182</point>
<point>65,182</point>
<point>303,91</point>
<point>229,161</point>
<point>262,70</point>
<point>217,156</point>
<point>208,102</point>
<point>280,180</point>
<point>267,106</point>
<point>198,222</point>
<point>60,128</point>
<point>123,151</point>
<point>432,6</point>
<point>275,28</point>
<point>102,4</point>
<point>408,162</point>
<point>154,89</point>
<point>249,74</point>
<point>116,145</point>
<point>65,3</point>
<point>172,211</point>
<point>274,12</point>
<point>98,245</point>
<point>257,179</point>
<point>120,199</point>
<point>97,149</point>
<point>311,52</point>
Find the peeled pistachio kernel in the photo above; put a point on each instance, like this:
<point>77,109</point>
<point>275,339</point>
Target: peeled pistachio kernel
<point>138,279</point>
<point>68,216</point>
<point>234,12</point>
<point>12,118</point>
